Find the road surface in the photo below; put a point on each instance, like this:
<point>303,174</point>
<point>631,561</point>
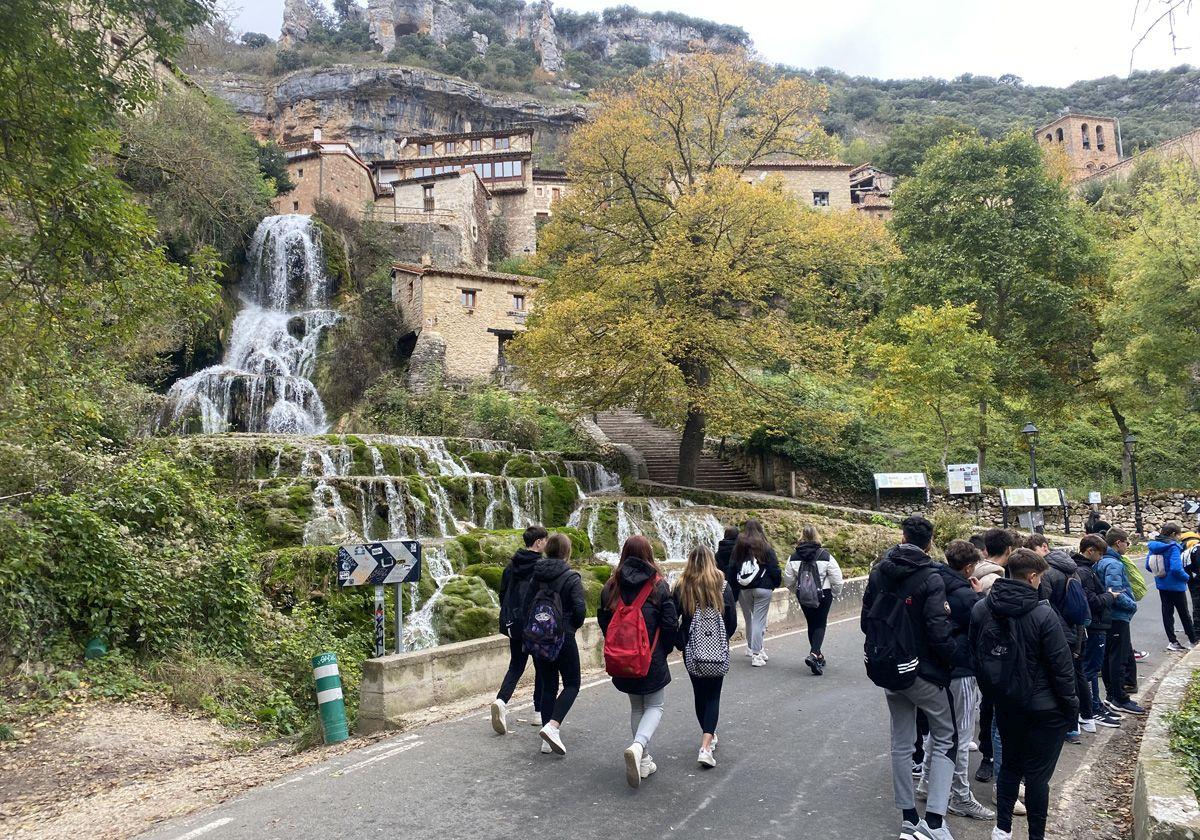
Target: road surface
<point>800,756</point>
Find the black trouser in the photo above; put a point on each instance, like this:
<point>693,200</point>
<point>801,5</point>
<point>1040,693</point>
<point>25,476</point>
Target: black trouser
<point>556,704</point>
<point>1083,690</point>
<point>1194,591</point>
<point>517,660</point>
<point>985,728</point>
<point>1032,742</point>
<point>1131,668</point>
<point>707,693</point>
<point>1115,653</point>
<point>922,731</point>
<point>817,618</point>
<point>1176,602</point>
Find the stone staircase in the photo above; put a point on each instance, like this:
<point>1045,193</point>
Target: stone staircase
<point>660,449</point>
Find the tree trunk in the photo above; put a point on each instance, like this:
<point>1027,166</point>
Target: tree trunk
<point>696,376</point>
<point>981,443</point>
<point>1123,428</point>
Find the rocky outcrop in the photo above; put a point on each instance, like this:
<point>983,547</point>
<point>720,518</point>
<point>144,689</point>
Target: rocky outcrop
<point>298,22</point>
<point>545,40</point>
<point>371,106</point>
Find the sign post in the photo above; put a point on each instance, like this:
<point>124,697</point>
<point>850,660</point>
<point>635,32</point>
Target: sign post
<point>378,564</point>
<point>901,481</point>
<point>963,479</point>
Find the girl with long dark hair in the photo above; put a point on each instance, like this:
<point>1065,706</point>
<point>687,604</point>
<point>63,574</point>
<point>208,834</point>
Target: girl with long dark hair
<point>756,572</point>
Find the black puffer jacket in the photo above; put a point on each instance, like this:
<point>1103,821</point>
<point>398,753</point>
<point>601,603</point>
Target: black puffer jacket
<point>554,573</point>
<point>728,616</point>
<point>1052,672</point>
<point>514,588</point>
<point>934,631</point>
<point>660,615</point>
<point>724,552</point>
<point>962,599</point>
<point>769,576</point>
<point>1054,589</point>
<point>1099,599</point>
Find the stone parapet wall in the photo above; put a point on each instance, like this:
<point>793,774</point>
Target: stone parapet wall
<point>1164,806</point>
<point>400,684</point>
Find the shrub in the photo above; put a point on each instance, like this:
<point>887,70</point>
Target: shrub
<point>950,524</point>
<point>1184,726</point>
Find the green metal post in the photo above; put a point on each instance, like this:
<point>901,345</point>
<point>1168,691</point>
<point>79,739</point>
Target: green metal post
<point>329,698</point>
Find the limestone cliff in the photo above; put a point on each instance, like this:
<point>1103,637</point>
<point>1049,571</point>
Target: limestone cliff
<point>370,106</point>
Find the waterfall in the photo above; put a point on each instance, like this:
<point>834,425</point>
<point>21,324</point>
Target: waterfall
<point>262,384</point>
<point>489,515</point>
<point>592,477</point>
<point>418,627</point>
<point>681,530</point>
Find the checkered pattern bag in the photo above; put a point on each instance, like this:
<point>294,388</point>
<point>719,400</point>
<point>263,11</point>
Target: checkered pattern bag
<point>706,653</point>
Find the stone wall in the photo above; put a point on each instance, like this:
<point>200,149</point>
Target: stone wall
<point>334,177</point>
<point>1164,806</point>
<point>1184,147</point>
<point>396,685</point>
<point>455,230</point>
<point>516,219</point>
<point>802,180</point>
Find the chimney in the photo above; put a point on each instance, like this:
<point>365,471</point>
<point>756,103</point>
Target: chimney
<point>426,260</point>
<point>467,127</point>
<point>316,134</point>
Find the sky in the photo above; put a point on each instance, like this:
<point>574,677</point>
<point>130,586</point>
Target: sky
<point>1045,42</point>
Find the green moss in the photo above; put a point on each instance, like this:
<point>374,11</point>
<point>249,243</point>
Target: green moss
<point>468,545</point>
<point>559,498</point>
<point>601,572</point>
<point>337,263</point>
<point>522,466</point>
<point>581,546</point>
<point>491,463</point>
<point>591,593</point>
<point>469,623</point>
<point>489,574</point>
<point>456,555</point>
<point>468,588</point>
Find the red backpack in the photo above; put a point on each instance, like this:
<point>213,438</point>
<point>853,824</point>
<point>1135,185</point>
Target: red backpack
<point>628,649</point>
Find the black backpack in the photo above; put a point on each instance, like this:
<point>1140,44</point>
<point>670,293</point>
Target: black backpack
<point>513,608</point>
<point>1001,667</point>
<point>890,650</point>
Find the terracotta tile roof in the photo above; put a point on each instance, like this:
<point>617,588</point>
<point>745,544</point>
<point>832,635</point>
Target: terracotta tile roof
<point>473,273</point>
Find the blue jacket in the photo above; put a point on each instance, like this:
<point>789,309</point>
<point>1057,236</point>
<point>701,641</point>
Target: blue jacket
<point>1111,571</point>
<point>1176,578</point>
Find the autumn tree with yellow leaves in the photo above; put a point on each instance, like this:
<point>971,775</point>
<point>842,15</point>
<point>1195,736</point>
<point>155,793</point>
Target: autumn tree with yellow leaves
<point>672,280</point>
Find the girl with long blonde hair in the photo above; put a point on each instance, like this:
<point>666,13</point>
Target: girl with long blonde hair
<point>708,618</point>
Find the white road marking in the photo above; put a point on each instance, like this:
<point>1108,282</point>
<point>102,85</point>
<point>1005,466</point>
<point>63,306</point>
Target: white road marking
<point>204,829</point>
<point>361,764</point>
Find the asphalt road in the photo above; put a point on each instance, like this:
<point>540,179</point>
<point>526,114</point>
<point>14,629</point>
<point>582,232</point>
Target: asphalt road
<point>800,756</point>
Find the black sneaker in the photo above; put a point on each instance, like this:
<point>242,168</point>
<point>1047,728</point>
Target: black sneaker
<point>1109,719</point>
<point>985,771</point>
<point>813,664</point>
<point>1131,708</point>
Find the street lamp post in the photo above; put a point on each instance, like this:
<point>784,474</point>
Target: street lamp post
<point>1031,432</point>
<point>1130,446</point>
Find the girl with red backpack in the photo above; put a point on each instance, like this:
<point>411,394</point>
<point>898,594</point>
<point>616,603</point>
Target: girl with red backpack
<point>555,611</point>
<point>638,619</point>
<point>708,617</point>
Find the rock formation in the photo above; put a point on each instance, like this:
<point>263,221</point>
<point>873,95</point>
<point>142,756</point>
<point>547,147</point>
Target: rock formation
<point>545,40</point>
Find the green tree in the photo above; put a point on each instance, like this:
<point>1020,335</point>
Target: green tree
<point>908,144</point>
<point>983,222</point>
<point>672,275</point>
<point>934,370</point>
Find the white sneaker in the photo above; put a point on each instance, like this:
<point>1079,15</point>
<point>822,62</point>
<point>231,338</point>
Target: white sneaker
<point>972,747</point>
<point>536,720</point>
<point>749,652</point>
<point>706,758</point>
<point>646,766</point>
<point>924,832</point>
<point>546,748</point>
<point>713,745</point>
<point>972,808</point>
<point>763,654</point>
<point>908,831</point>
<point>633,764</point>
<point>1087,725</point>
<point>1018,806</point>
<point>551,736</point>
<point>500,716</point>
<point>997,834</point>
<point>758,661</point>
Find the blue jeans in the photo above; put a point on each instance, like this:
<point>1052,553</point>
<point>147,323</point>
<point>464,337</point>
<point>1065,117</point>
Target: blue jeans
<point>997,749</point>
<point>1093,664</point>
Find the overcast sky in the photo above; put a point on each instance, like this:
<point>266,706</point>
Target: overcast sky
<point>1052,42</point>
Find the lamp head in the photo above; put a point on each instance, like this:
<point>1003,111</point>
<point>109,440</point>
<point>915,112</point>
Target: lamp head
<point>1131,441</point>
<point>1030,431</point>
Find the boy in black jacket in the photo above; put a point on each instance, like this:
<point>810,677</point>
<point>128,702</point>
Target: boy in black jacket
<point>514,589</point>
<point>930,619</point>
<point>1034,725</point>
<point>1100,601</point>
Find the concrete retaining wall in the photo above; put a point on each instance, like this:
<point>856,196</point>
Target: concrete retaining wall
<point>1164,806</point>
<point>395,685</point>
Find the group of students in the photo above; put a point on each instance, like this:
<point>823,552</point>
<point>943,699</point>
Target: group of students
<point>644,619</point>
<point>1008,634</point>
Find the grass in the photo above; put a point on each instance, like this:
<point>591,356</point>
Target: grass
<point>1184,726</point>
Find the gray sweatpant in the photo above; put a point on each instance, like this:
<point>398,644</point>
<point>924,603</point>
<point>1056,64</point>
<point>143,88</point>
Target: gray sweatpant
<point>645,713</point>
<point>966,700</point>
<point>938,705</point>
<point>756,603</point>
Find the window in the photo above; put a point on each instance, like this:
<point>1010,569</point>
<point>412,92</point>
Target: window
<point>555,195</point>
<point>1087,140</point>
<point>501,143</point>
<point>1058,135</point>
<point>428,196</point>
<point>300,172</point>
<point>425,149</point>
<point>421,172</point>
<point>295,206</point>
<point>467,297</point>
<point>820,198</point>
<point>476,145</point>
<point>518,303</point>
<point>518,168</point>
<point>1049,137</point>
<point>1100,138</point>
<point>538,190</point>
<point>451,147</point>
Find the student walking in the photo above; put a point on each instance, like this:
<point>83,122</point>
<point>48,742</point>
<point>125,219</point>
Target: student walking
<point>638,619</point>
<point>1114,574</point>
<point>514,591</point>
<point>1100,602</point>
<point>998,545</point>
<point>1171,580</point>
<point>824,581</point>
<point>555,611</point>
<point>708,617</point>
<point>962,594</point>
<point>757,575</point>
<point>725,551</point>
<point>1022,659</point>
<point>909,649</point>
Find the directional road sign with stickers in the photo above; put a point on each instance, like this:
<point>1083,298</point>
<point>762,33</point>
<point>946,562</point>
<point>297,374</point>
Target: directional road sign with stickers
<point>377,563</point>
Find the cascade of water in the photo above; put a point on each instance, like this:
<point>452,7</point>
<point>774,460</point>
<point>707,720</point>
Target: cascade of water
<point>680,530</point>
<point>592,477</point>
<point>418,628</point>
<point>262,384</point>
<point>514,501</point>
<point>435,452</point>
<point>489,515</point>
